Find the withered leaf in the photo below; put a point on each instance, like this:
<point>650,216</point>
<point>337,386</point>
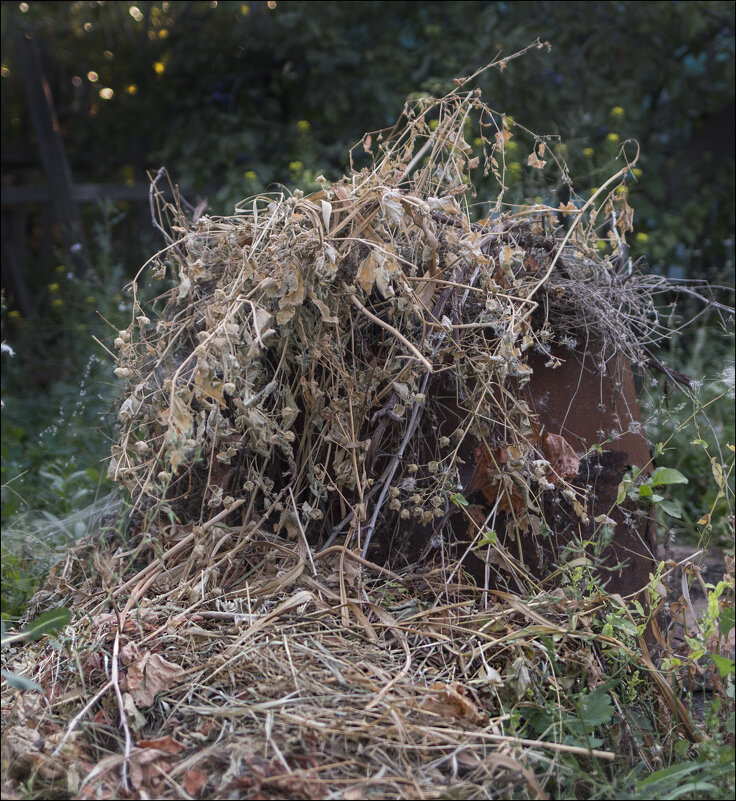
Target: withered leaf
<point>148,676</point>
<point>194,781</point>
<point>503,136</point>
<point>564,463</point>
<point>295,293</point>
<point>167,744</point>
<point>452,700</point>
<point>535,161</point>
<point>370,265</point>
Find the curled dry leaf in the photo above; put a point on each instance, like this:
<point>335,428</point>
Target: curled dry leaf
<point>563,460</point>
<point>166,744</point>
<point>452,700</point>
<point>366,276</point>
<point>148,676</point>
<point>194,781</point>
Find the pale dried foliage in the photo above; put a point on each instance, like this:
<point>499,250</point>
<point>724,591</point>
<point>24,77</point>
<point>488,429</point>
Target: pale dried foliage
<point>282,408</point>
<point>317,342</point>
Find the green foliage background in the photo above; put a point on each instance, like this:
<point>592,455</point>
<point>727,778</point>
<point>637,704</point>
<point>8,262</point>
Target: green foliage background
<point>236,97</point>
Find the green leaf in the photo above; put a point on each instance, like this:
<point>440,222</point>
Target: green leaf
<point>691,788</point>
<point>664,476</point>
<point>665,781</point>
<point>671,507</point>
<point>623,624</point>
<point>458,499</point>
<point>488,538</point>
<point>645,492</point>
<point>596,708</point>
<point>21,682</point>
<point>49,622</point>
<point>621,495</point>
<point>724,664</point>
<point>726,620</point>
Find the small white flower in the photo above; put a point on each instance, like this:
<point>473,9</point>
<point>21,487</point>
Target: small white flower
<point>7,349</point>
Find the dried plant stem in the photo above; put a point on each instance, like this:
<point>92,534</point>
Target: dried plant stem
<point>393,465</point>
<point>378,321</point>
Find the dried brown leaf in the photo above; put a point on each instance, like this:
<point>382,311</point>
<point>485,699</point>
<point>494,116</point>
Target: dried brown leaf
<point>563,460</point>
<point>148,676</point>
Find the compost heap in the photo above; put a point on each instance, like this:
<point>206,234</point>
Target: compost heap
<point>325,360</point>
<point>298,407</point>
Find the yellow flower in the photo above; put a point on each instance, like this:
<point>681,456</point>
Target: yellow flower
<point>588,152</point>
<point>303,126</point>
<point>14,314</point>
<point>295,166</point>
<point>601,244</point>
<point>245,9</point>
<point>57,303</point>
<point>251,175</point>
<point>612,137</point>
<point>159,67</point>
<point>433,124</point>
<point>60,269</point>
<point>641,238</point>
<point>477,141</point>
<point>617,112</point>
<point>53,287</point>
<point>89,299</point>
<point>637,172</point>
<point>163,33</point>
<point>127,173</point>
<point>511,146</point>
<point>132,89</point>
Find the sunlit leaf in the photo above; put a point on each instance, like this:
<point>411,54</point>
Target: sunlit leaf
<point>664,476</point>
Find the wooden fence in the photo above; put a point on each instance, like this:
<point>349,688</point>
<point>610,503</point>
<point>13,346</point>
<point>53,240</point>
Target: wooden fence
<point>39,219</point>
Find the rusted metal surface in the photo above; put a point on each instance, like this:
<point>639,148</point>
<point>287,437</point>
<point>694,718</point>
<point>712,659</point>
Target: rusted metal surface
<point>577,402</point>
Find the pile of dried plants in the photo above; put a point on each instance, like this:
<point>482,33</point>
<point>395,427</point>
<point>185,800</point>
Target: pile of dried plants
<point>303,390</point>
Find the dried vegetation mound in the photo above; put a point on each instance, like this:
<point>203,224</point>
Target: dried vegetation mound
<point>327,359</point>
<point>304,389</point>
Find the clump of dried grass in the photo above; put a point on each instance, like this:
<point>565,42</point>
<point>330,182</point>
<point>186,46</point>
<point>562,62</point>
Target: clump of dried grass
<point>406,688</point>
<point>290,401</point>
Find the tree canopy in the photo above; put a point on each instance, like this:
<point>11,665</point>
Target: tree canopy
<point>235,97</point>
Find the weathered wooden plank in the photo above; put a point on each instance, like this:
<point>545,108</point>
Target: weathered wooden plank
<point>51,150</point>
<point>80,193</point>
